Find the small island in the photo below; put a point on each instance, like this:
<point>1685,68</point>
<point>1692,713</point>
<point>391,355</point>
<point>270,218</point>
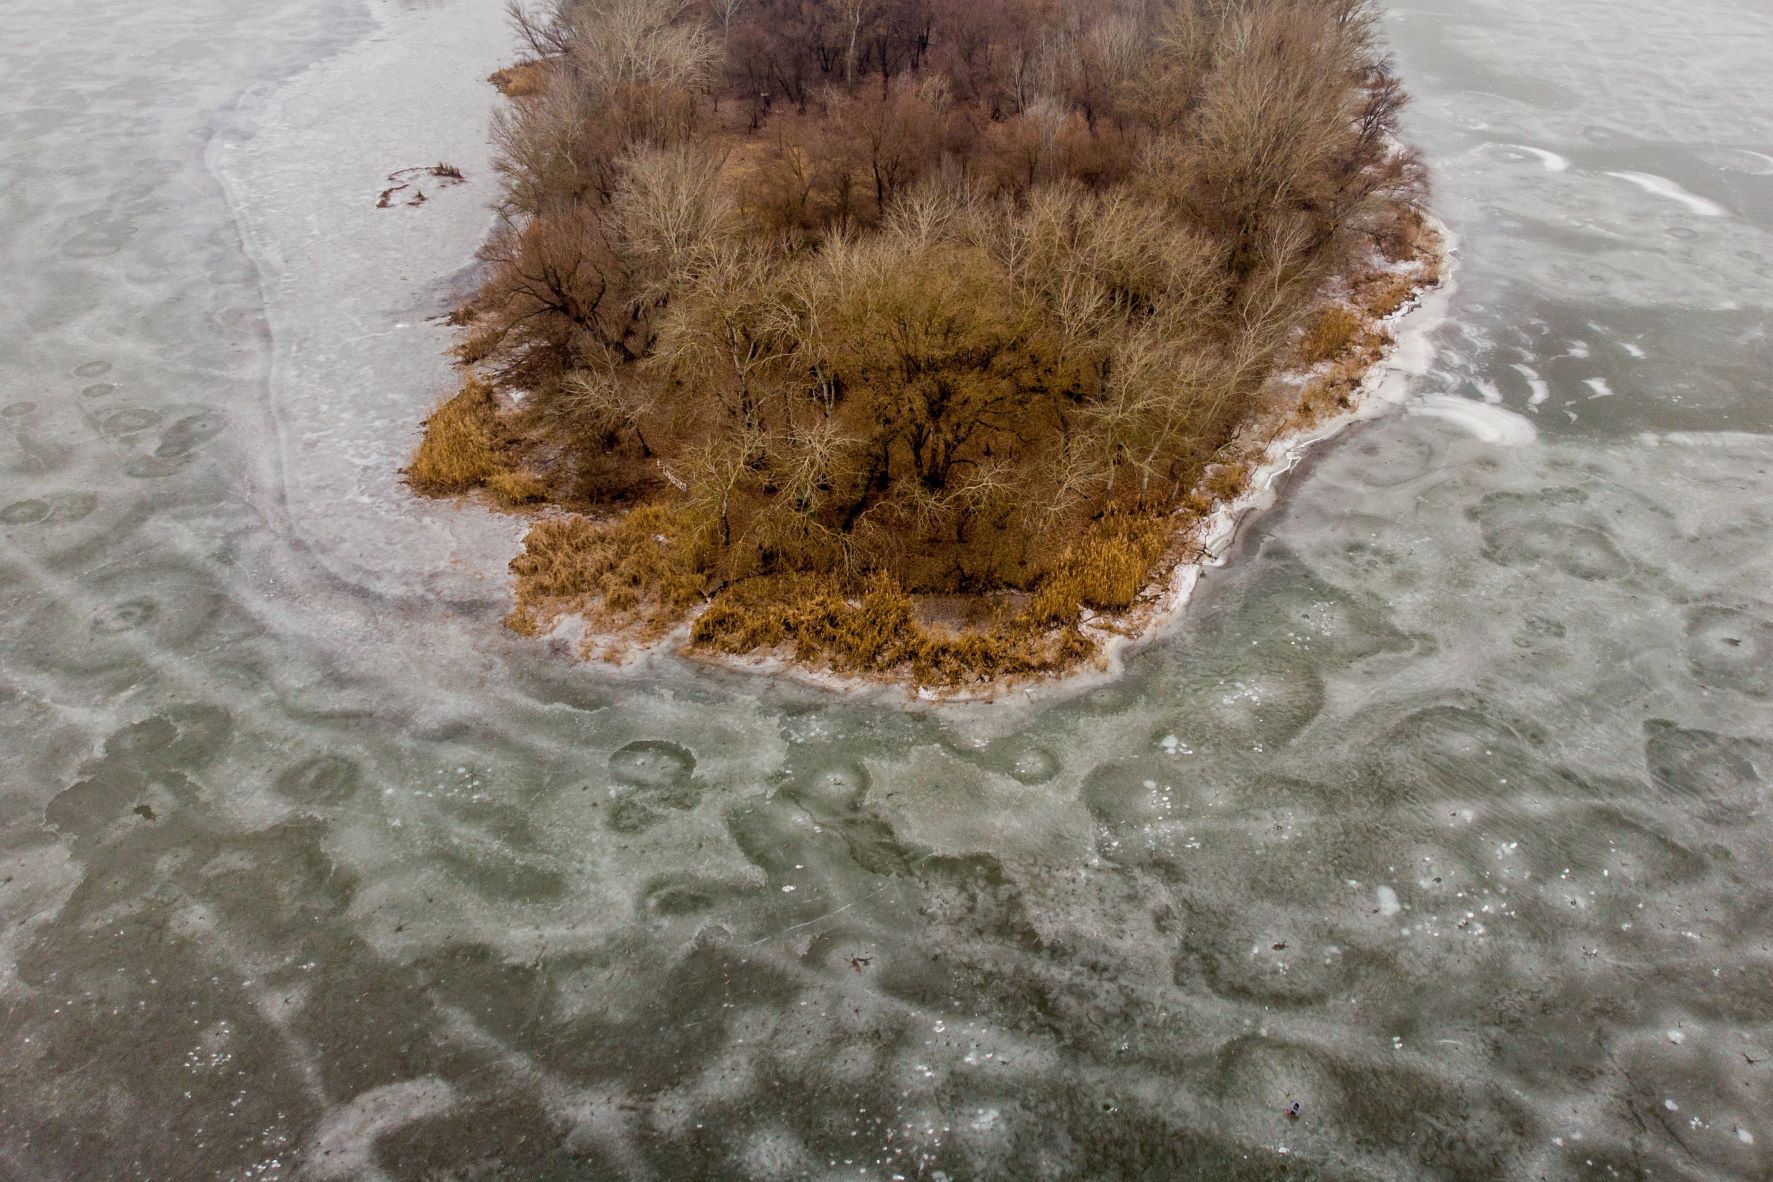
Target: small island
<point>915,341</point>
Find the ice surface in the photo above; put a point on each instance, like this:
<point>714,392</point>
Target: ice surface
<point>1551,161</point>
<point>1489,422</point>
<point>1661,186</point>
<point>353,292</point>
<point>307,870</point>
<point>1538,385</point>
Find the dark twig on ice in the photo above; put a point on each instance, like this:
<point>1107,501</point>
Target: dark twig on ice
<point>403,178</point>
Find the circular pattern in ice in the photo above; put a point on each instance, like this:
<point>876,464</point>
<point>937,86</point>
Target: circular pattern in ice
<point>652,763</point>
<point>129,420</point>
<point>1732,649</point>
<point>832,789</point>
<point>189,432</point>
<point>120,617</point>
<point>324,779</point>
<point>647,776</point>
<point>28,512</point>
<point>1033,765</point>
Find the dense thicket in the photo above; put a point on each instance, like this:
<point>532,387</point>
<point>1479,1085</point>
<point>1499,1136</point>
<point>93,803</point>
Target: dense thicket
<point>920,288</point>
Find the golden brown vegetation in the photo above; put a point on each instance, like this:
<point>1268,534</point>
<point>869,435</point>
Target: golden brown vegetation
<point>520,81</point>
<point>631,571</point>
<point>1330,334</point>
<point>863,301</point>
<point>460,449</point>
<point>876,630</point>
<point>467,445</point>
<point>515,486</point>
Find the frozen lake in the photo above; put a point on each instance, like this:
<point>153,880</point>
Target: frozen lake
<point>1446,815</point>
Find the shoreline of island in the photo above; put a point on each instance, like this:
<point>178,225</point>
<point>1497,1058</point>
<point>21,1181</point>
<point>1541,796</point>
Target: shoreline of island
<point>1381,390</point>
<point>1162,608</point>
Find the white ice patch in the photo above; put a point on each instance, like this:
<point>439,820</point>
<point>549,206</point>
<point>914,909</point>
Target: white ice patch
<point>1174,746</point>
<point>1492,424</point>
<point>1600,387</point>
<point>1632,350</point>
<point>1388,904</point>
<point>344,1144</point>
<point>1747,161</point>
<point>1551,161</point>
<point>347,384</point>
<point>1488,390</point>
<point>1540,390</point>
<point>1661,186</point>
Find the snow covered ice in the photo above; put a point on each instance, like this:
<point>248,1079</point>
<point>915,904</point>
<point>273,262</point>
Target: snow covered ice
<point>1444,811</point>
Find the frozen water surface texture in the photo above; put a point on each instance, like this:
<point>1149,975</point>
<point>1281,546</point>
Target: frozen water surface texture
<point>1434,844</point>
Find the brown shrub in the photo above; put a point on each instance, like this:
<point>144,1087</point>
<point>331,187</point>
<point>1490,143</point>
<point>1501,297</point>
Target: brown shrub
<point>1400,233</point>
<point>459,449</point>
<point>809,613</point>
<point>876,633</point>
<point>1105,570</point>
<point>1227,482</point>
<point>521,80</point>
<point>1387,293</point>
<point>480,342</point>
<point>516,487</point>
<point>1333,391</point>
<point>891,134</point>
<point>1330,334</point>
<point>630,574</point>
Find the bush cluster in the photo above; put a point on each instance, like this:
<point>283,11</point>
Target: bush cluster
<point>935,294</point>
